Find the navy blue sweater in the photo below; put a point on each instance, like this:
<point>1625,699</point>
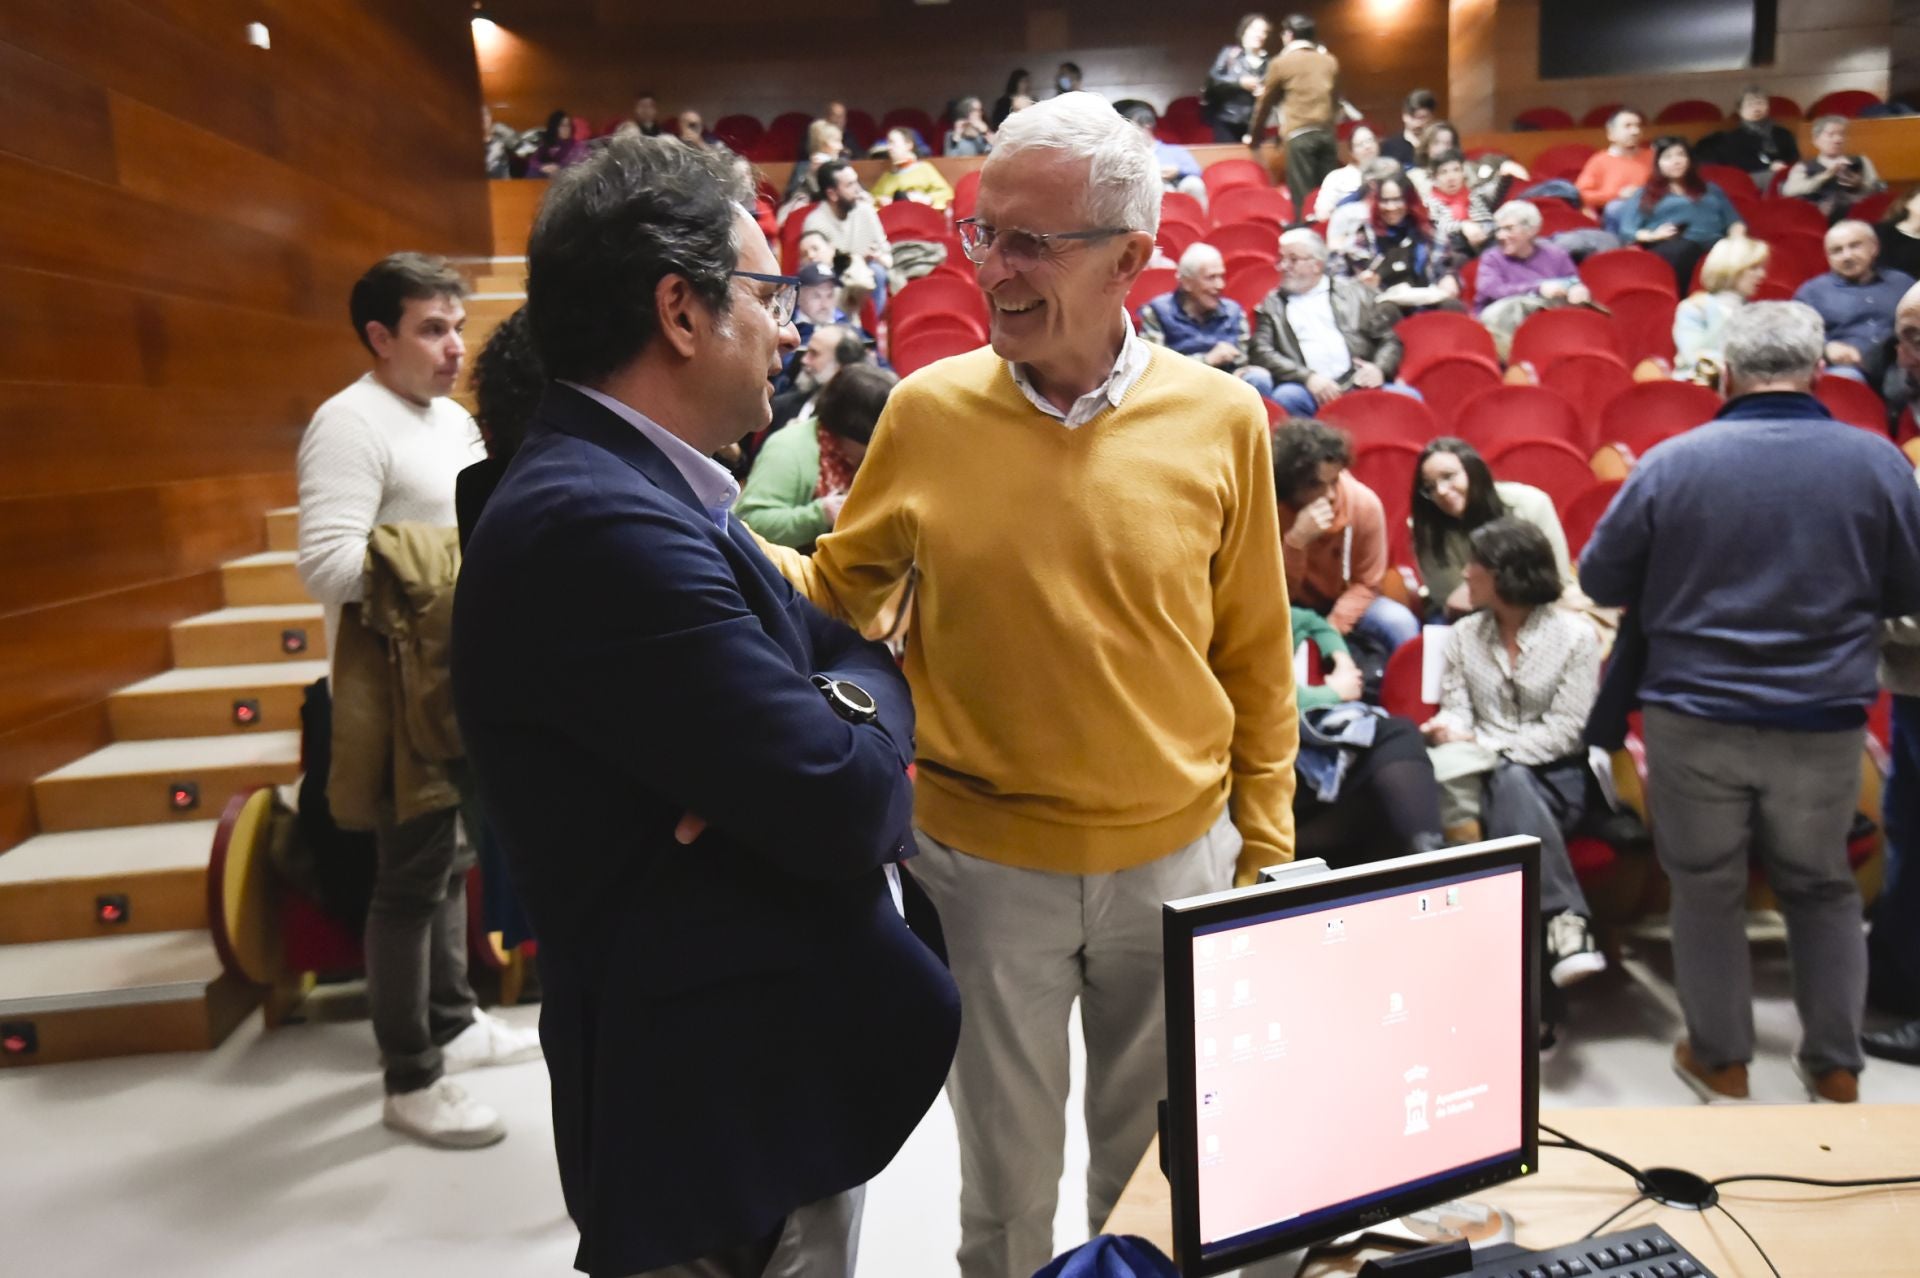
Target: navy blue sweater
<point>1761,551</point>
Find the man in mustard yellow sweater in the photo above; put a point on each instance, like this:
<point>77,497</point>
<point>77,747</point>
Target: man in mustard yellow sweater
<point>1100,660</point>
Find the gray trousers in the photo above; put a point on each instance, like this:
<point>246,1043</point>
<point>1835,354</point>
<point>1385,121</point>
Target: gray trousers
<point>1311,155</point>
<point>1541,801</point>
<point>416,946</point>
<point>1718,791</point>
<point>819,1240</point>
<point>1023,945</point>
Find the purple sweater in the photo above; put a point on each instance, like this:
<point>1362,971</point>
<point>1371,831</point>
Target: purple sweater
<point>1503,276</point>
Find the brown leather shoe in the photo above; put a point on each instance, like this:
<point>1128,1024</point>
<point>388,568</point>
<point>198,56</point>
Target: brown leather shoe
<point>1834,1086</point>
<point>1714,1086</point>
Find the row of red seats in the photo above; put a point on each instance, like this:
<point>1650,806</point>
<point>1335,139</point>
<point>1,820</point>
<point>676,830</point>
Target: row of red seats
<point>1846,102</point>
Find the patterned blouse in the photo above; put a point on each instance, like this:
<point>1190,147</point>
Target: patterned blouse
<point>1532,712</point>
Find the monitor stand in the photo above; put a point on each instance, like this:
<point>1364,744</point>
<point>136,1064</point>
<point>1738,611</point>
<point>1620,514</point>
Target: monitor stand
<point>1477,1224</point>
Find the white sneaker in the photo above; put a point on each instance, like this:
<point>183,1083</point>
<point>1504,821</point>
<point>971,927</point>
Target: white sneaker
<point>490,1041</point>
<point>1571,950</point>
<point>444,1115</point>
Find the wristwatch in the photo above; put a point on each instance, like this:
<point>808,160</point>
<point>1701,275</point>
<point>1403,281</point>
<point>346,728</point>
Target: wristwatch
<point>849,700</point>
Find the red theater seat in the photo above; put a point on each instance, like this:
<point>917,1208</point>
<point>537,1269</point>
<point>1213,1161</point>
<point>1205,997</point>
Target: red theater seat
<point>1648,412</point>
<point>1516,412</point>
<point>1176,238</point>
<point>1616,269</point>
<point>1434,334</point>
<point>906,220</point>
<point>1246,237</point>
<point>1544,336</point>
<point>1735,182</point>
<point>1579,517</point>
<point>1250,283</point>
<point>1543,117</point>
<point>1151,284</point>
<point>917,350</point>
<point>1224,174</point>
<point>1587,380</point>
<point>1854,403</point>
<point>1400,685</point>
<point>966,193</point>
<point>1249,204</point>
<point>1181,207</point>
<point>1597,117</point>
<point>1562,161</point>
<point>1642,322</point>
<point>1554,466</point>
<point>1450,381</point>
<point>1691,111</point>
<point>1388,467</point>
<point>1847,102</point>
<point>1378,416</point>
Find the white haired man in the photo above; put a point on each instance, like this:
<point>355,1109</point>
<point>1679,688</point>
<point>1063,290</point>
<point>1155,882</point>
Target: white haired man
<point>1320,337</point>
<point>1522,274</point>
<point>1105,703</point>
<point>1198,319</point>
<point>1761,553</point>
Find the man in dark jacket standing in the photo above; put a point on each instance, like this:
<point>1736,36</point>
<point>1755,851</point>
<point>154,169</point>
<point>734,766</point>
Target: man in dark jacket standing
<point>1762,552</point>
<point>699,779</point>
<point>1320,337</point>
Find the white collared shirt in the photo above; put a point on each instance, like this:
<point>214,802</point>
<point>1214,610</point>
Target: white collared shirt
<point>1322,345</point>
<point>1135,355</point>
<point>713,484</point>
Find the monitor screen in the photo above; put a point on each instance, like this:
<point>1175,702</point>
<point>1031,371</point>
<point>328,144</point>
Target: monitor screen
<point>1359,1045</point>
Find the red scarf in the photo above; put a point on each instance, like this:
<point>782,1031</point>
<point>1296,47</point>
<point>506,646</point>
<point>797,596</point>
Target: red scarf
<point>836,472</point>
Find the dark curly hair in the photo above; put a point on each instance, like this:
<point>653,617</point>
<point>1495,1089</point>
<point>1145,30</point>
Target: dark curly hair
<point>1520,559</point>
<point>1300,447</point>
<point>507,384</point>
<point>610,229</point>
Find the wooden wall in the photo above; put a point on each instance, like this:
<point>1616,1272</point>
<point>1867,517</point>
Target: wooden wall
<point>181,216</point>
<point>766,57</point>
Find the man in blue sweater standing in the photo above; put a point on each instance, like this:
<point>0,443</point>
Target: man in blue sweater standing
<point>1761,552</point>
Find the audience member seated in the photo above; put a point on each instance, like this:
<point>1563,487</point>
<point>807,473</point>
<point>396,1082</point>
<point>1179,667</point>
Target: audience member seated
<point>558,147</point>
<point>1522,274</point>
<point>693,131</point>
<point>1334,540</point>
<point>1197,319</point>
<point>825,142</point>
<point>1363,785</point>
<point>1178,169</point>
<point>1350,218</point>
<point>969,133</point>
<point>644,119</point>
<point>1019,93</point>
<point>1416,113</point>
<point>910,177</point>
<point>1454,494</point>
<point>847,221</point>
<point>1855,301</point>
<point>1066,79</point>
<point>1462,217</point>
<point>1756,145</point>
<point>1679,215</point>
<point>1437,139</point>
<point>1623,166</point>
<point>1235,79</point>
<point>1758,667</point>
<point>827,348</point>
<point>1830,179</point>
<point>1345,182</point>
<point>1729,278</point>
<point>800,479</point>
<point>1321,337</point>
<point>1899,236</point>
<point>1396,253</point>
<point>502,142</point>
<point>1508,751</point>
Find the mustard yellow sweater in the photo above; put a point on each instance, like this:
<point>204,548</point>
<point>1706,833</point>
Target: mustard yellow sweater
<point>1101,650</point>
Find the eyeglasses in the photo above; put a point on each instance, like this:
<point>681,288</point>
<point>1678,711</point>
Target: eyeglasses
<point>781,303</point>
<point>1021,250</point>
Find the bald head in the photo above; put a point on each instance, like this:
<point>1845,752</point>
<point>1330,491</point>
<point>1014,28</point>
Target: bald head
<point>1852,249</point>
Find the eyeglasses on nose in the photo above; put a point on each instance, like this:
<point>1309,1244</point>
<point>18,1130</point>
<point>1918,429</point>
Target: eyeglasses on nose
<point>781,303</point>
<point>1021,250</point>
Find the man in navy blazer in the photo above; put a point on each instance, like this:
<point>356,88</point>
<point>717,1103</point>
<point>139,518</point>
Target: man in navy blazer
<point>700,780</point>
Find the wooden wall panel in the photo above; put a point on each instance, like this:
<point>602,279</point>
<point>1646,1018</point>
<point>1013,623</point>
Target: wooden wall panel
<point>181,217</point>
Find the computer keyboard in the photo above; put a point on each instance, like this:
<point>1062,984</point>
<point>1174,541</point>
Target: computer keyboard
<point>1646,1252</point>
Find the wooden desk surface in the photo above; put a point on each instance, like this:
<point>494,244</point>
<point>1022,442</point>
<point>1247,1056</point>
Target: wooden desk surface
<point>1809,1232</point>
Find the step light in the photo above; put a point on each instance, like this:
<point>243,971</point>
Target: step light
<point>293,642</point>
<point>246,711</point>
<point>183,796</point>
<point>111,907</point>
<point>19,1038</point>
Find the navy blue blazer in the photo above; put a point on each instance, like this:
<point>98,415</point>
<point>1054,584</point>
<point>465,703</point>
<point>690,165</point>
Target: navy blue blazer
<point>744,1025</point>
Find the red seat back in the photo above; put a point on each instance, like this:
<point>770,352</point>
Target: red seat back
<point>1597,117</point>
<point>1432,335</point>
<point>1734,182</point>
<point>1777,215</point>
<point>1554,466</point>
<point>1387,468</point>
<point>1847,102</point>
<point>1543,117</point>
<point>1250,282</point>
<point>1516,412</point>
<point>1563,161</point>
<point>741,132</point>
<point>940,291</point>
<point>1691,111</point>
<point>1222,174</point>
<point>1643,322</point>
<point>1251,203</point>
<point>1379,416</point>
<point>1544,336</point>
<point>966,193</point>
<point>1450,381</point>
<point>1854,403</point>
<point>1558,215</point>
<point>916,350</point>
<point>1231,238</point>
<point>1588,381</point>
<point>862,130</point>
<point>1175,238</point>
<point>1648,412</point>
<point>906,220</point>
<point>1579,517</point>
<point>1400,685</point>
<point>1178,206</point>
<point>790,232</point>
<point>1151,284</point>
<point>1608,273</point>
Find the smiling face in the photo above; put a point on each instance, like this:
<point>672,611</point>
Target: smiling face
<point>1391,200</point>
<point>1062,309</point>
<point>1301,269</point>
<point>1515,235</point>
<point>1444,480</point>
<point>1205,283</point>
<point>1363,147</point>
<point>419,358</point>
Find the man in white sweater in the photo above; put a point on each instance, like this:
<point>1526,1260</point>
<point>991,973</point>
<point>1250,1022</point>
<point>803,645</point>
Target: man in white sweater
<point>386,450</point>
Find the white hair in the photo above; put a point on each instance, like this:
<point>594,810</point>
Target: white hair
<point>1774,342</point>
<point>1524,212</point>
<point>1199,257</point>
<point>1307,236</point>
<point>1123,177</point>
<point>1851,224</point>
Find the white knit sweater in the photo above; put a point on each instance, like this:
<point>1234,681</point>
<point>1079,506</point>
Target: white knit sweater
<point>370,457</point>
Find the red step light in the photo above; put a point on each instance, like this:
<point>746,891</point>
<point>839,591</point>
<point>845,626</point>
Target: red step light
<point>111,907</point>
<point>183,796</point>
<point>293,642</point>
<point>246,712</point>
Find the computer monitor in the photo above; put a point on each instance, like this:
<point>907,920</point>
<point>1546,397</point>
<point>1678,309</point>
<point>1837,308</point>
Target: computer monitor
<point>1348,1047</point>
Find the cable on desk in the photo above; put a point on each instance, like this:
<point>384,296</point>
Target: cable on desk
<point>1750,1238</point>
<point>1638,1199</point>
<point>1873,1183</point>
<point>1568,1142</point>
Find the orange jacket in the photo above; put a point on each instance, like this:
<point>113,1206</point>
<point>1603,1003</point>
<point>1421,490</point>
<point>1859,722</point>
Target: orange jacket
<point>1340,573</point>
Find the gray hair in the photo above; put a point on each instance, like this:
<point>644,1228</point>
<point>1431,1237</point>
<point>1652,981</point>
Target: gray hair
<point>1524,212</point>
<point>1825,122</point>
<point>1774,342</point>
<point>1307,236</point>
<point>1198,258</point>
<point>1852,224</point>
<point>1123,177</point>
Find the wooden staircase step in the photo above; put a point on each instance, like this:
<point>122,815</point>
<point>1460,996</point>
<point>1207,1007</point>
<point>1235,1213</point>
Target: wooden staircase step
<point>52,886</point>
<point>115,996</point>
<point>204,701</point>
<point>268,578</point>
<point>133,782</point>
<point>250,636</point>
<point>283,528</point>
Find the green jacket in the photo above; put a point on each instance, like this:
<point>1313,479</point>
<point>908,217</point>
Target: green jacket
<point>778,501</point>
<point>1309,625</point>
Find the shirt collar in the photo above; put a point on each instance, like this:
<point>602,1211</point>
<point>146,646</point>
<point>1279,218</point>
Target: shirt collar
<point>713,484</point>
<point>1134,357</point>
<point>1325,286</point>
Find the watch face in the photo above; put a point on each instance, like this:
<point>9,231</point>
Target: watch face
<point>857,697</point>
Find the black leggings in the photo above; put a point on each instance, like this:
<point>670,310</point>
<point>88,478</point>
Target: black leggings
<point>1388,800</point>
<point>1682,254</point>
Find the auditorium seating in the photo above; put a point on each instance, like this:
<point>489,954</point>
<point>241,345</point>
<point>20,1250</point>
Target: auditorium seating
<point>916,350</point>
<point>1250,283</point>
<point>1736,183</point>
<point>938,293</point>
<point>1544,336</point>
<point>1151,284</point>
<point>1606,274</point>
<point>1400,685</point>
<point>1558,215</point>
<point>1432,334</point>
<point>1557,467</point>
<point>1854,403</point>
<point>1648,412</point>
<point>1847,102</point>
<point>1597,117</point>
<point>1388,467</point>
<point>1450,380</point>
<point>1178,206</point>
<point>1563,161</point>
<point>1543,117</point>
<point>1246,203</point>
<point>906,220</point>
<point>1691,111</point>
<point>1225,174</point>
<point>1262,238</point>
<point>1588,380</point>
<point>1515,412</point>
<point>1175,238</point>
<point>1378,416</point>
<point>966,191</point>
<point>1579,517</point>
<point>1642,323</point>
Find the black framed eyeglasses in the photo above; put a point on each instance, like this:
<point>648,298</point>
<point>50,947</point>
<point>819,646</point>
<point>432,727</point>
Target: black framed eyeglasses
<point>782,302</point>
<point>1022,250</point>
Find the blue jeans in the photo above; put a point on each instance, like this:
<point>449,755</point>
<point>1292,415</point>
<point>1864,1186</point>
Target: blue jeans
<point>1258,378</point>
<point>1894,948</point>
<point>1386,625</point>
<point>1299,401</point>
